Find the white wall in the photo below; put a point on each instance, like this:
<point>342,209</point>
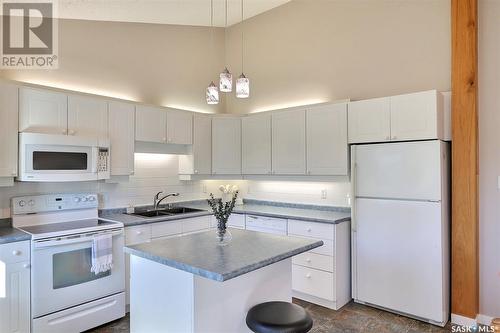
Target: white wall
<point>489,157</point>
<point>313,51</point>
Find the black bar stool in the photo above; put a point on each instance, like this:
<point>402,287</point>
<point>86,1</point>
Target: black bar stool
<point>278,317</point>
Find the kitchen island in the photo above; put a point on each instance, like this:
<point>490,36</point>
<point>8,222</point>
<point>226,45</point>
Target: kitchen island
<point>190,284</point>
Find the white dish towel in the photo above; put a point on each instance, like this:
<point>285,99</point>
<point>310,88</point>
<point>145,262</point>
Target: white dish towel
<point>102,253</point>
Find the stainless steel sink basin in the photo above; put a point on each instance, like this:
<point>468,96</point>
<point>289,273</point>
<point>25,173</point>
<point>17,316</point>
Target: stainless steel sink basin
<point>166,212</point>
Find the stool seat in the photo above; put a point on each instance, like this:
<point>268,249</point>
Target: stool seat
<point>282,317</point>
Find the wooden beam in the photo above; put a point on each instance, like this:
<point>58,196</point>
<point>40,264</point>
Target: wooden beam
<point>465,220</point>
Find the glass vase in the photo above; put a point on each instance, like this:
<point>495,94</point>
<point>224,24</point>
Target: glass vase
<point>224,236</point>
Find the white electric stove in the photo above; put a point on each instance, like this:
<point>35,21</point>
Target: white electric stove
<point>65,295</point>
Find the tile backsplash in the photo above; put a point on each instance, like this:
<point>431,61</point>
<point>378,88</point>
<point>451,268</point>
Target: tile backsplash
<point>159,172</point>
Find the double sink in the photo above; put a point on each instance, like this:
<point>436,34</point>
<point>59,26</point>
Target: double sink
<point>173,211</point>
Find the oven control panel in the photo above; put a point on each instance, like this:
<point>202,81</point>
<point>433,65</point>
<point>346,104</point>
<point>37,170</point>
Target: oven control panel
<point>53,202</point>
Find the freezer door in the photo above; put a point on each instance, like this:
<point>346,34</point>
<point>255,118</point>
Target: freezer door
<point>406,170</point>
<point>400,257</point>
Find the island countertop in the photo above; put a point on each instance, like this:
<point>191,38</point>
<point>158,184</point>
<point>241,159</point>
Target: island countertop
<point>199,253</point>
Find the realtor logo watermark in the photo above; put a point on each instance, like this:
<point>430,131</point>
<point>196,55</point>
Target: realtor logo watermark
<point>29,34</point>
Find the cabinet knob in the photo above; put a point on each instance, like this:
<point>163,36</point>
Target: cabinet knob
<point>195,171</point>
<point>169,140</point>
<point>72,132</point>
<point>16,252</point>
<point>139,232</point>
<point>164,139</point>
<point>64,131</point>
<point>308,260</point>
<point>308,275</point>
<point>131,172</point>
<point>14,173</point>
<point>309,229</point>
<point>394,137</point>
<point>308,172</point>
<point>26,265</point>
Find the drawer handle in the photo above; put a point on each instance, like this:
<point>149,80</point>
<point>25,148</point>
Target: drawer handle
<point>139,232</point>
<point>26,265</point>
<point>16,252</point>
<point>308,259</point>
<point>308,275</point>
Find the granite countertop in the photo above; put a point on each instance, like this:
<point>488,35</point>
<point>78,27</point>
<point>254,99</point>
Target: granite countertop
<point>199,253</point>
<point>320,214</point>
<point>10,235</point>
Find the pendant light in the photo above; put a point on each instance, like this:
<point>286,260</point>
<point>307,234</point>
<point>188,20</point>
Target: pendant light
<point>243,83</point>
<point>226,78</point>
<point>212,94</point>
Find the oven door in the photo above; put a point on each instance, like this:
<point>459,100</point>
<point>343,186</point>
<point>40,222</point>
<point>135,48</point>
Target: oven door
<point>61,276</point>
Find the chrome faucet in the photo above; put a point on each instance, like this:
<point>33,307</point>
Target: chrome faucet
<point>157,199</point>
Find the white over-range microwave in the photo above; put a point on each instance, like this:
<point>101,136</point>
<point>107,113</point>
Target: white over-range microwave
<point>61,158</point>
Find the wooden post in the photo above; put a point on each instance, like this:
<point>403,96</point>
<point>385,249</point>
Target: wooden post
<point>465,221</point>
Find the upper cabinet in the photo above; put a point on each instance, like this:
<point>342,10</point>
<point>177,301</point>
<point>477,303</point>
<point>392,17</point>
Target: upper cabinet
<point>88,116</point>
<point>43,111</point>
<point>199,162</point>
<point>226,145</point>
<point>8,128</point>
<point>163,125</point>
<point>327,149</point>
<point>416,116</point>
<point>289,143</point>
<point>256,144</point>
<point>370,120</point>
<point>121,138</point>
<point>151,124</point>
<point>179,127</point>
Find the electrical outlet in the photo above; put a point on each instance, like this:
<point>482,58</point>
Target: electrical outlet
<point>323,194</point>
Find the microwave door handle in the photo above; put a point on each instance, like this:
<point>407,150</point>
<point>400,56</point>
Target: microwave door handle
<point>69,240</point>
<point>95,159</point>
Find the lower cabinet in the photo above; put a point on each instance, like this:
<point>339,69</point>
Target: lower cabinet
<point>323,275</point>
<point>15,293</point>
<point>156,231</point>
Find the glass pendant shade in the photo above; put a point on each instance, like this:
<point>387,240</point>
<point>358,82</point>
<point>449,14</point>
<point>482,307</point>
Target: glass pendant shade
<point>243,87</point>
<point>212,94</point>
<point>226,81</point>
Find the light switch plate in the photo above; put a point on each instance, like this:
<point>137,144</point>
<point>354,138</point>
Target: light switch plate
<point>323,194</point>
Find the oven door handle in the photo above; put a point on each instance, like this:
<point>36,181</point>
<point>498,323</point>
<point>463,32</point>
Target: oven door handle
<point>40,244</point>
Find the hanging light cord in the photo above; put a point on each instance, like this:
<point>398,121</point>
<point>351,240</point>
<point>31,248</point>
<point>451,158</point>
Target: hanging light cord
<point>242,37</point>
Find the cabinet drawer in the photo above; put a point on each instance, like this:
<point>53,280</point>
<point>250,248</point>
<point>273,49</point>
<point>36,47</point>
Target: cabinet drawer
<point>313,282</point>
<point>137,234</point>
<point>311,229</point>
<point>314,260</point>
<point>266,224</point>
<point>166,228</point>
<point>326,249</point>
<point>195,224</point>
<point>15,252</point>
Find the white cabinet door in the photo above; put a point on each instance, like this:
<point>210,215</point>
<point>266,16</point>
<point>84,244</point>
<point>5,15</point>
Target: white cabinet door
<point>121,138</point>
<point>15,298</point>
<point>150,124</point>
<point>370,120</point>
<point>226,145</point>
<point>417,116</point>
<point>8,128</point>
<point>179,127</point>
<point>202,145</point>
<point>42,111</point>
<point>327,148</point>
<point>88,116</point>
<point>256,144</point>
<point>289,143</point>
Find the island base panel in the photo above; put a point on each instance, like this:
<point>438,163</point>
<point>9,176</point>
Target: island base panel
<point>183,302</point>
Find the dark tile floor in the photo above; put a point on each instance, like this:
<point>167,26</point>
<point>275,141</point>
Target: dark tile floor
<point>352,318</point>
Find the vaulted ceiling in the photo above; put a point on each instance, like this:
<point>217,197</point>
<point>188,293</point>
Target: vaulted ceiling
<point>182,12</point>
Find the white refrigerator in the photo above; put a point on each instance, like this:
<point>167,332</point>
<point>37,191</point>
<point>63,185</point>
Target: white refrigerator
<point>400,228</point>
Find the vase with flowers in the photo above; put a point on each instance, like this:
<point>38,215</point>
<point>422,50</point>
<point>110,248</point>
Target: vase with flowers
<point>222,208</point>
